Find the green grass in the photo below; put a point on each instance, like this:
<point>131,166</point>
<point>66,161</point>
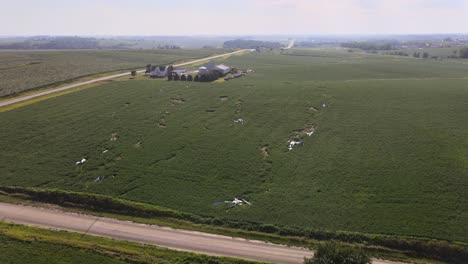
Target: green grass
<point>388,156</point>
<point>22,244</point>
<point>19,252</point>
<point>22,71</point>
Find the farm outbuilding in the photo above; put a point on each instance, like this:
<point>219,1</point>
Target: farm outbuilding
<point>160,72</point>
<point>207,68</point>
<point>179,71</point>
<point>223,68</point>
<point>210,65</point>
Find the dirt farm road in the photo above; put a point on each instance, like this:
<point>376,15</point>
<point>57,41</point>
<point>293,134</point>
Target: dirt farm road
<point>210,244</point>
<point>39,94</point>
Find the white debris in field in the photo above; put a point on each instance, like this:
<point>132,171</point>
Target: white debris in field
<point>310,133</point>
<point>324,105</point>
<point>113,137</point>
<point>237,201</point>
<point>99,179</point>
<point>105,151</point>
<point>83,160</point>
<point>293,143</point>
<point>240,120</point>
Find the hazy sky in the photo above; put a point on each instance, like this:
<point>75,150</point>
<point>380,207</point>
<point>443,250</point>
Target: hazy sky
<point>189,17</point>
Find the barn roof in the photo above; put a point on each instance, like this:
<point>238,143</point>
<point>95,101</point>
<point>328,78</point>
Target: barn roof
<point>210,65</point>
<point>223,67</point>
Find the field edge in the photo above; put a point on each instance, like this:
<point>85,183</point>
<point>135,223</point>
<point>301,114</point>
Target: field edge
<point>378,245</point>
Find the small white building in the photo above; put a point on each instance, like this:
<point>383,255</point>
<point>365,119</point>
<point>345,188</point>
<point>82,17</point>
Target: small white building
<point>224,69</point>
<point>207,68</point>
<point>179,71</point>
<point>160,72</point>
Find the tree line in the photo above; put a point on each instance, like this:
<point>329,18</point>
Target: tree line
<point>250,44</point>
<point>209,77</point>
<point>369,46</point>
<point>61,43</point>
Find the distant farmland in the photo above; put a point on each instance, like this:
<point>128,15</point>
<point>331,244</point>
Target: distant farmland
<point>389,153</point>
<point>27,70</point>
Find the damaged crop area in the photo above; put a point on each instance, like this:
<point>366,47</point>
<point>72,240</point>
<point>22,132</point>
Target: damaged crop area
<point>302,141</point>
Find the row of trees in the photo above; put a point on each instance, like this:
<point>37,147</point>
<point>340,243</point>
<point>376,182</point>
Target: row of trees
<point>369,46</point>
<point>168,47</point>
<point>209,77</point>
<point>63,43</point>
<point>423,55</point>
<point>250,44</point>
<point>183,77</point>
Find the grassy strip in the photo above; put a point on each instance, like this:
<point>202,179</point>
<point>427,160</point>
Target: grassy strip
<point>380,245</point>
<point>58,245</point>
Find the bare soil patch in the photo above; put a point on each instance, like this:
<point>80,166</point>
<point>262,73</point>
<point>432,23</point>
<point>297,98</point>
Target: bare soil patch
<point>264,152</point>
<point>114,137</point>
<point>177,100</point>
<point>309,131</point>
<point>162,123</point>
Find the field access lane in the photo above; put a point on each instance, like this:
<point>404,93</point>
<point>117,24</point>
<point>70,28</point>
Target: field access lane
<point>59,89</point>
<point>210,244</point>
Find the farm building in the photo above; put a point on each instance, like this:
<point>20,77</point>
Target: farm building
<point>160,72</point>
<point>207,68</point>
<point>179,71</point>
<point>203,70</point>
<point>210,66</point>
<point>223,68</point>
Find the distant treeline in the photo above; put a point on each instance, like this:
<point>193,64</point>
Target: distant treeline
<point>311,44</point>
<point>369,46</point>
<point>60,43</point>
<point>250,44</point>
<point>168,47</point>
